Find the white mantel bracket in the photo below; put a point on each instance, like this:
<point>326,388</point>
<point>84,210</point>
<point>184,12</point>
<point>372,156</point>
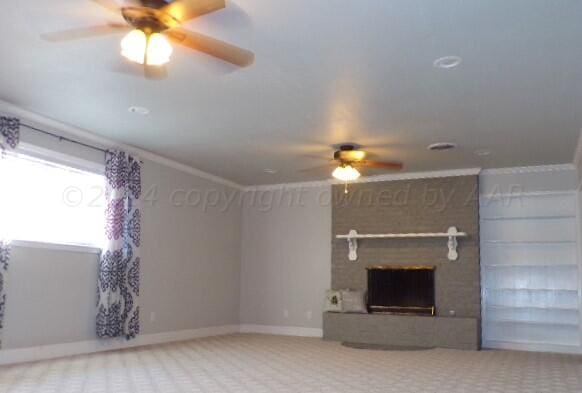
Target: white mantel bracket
<point>452,234</point>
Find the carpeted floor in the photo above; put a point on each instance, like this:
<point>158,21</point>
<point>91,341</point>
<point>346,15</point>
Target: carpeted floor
<point>270,364</point>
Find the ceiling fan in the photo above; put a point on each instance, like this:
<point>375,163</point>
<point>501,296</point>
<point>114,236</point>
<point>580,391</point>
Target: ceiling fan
<point>349,158</point>
<point>151,25</point>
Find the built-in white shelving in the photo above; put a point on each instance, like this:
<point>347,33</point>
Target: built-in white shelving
<point>531,273</point>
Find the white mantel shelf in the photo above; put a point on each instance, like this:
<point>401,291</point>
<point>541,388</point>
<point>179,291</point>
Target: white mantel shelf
<point>451,234</point>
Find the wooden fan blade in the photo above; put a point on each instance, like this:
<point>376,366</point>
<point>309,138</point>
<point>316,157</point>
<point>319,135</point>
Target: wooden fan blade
<point>85,32</point>
<point>395,166</point>
<point>155,72</point>
<point>212,47</point>
<point>329,166</point>
<point>184,10</point>
<point>318,157</point>
<point>111,5</point>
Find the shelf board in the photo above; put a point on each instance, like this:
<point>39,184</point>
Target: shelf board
<point>532,289</point>
<point>451,235</point>
<point>402,235</point>
<point>530,265</point>
<point>499,307</point>
<point>505,218</point>
<point>525,242</point>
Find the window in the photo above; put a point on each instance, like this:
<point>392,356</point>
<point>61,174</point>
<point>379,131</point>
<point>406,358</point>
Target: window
<point>46,202</point>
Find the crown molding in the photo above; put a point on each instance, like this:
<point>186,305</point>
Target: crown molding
<point>59,127</point>
<point>420,175</point>
<point>370,179</point>
<point>529,169</point>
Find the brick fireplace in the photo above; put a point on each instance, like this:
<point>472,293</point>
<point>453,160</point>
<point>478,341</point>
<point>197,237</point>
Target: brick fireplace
<point>409,206</point>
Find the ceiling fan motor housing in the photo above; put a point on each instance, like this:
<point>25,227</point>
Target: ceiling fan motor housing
<point>348,154</point>
<point>149,20</point>
<point>338,154</point>
<point>155,3</point>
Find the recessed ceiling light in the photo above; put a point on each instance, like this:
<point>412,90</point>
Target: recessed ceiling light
<point>447,62</point>
<point>270,171</point>
<point>482,152</point>
<point>139,110</point>
<point>442,146</point>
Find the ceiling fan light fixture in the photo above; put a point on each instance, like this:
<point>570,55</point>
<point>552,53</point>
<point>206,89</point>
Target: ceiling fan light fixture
<point>134,45</point>
<point>153,49</point>
<point>346,173</point>
<point>159,50</point>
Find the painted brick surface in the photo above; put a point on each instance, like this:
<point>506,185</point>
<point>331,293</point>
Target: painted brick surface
<point>415,331</point>
<point>423,205</point>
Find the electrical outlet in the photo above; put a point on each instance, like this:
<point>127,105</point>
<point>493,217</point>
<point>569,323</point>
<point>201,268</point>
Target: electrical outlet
<point>152,317</point>
<point>309,315</point>
<point>286,314</point>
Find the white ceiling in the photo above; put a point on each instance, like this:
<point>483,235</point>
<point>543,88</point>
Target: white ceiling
<point>326,72</point>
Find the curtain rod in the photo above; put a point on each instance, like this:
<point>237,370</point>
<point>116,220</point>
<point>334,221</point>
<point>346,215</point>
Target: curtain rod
<point>62,138</point>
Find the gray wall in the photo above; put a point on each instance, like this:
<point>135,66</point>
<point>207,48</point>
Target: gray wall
<point>50,297</point>
<point>286,254</point>
<point>190,271</point>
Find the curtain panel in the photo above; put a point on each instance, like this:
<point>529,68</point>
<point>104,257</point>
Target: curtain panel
<point>9,138</point>
<point>118,280</point>
<point>4,256</point>
<point>10,133</point>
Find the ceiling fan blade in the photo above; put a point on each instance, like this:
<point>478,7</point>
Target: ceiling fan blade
<point>212,47</point>
<point>395,166</point>
<point>184,10</point>
<point>111,5</point>
<point>85,32</point>
<point>327,166</point>
<point>155,72</point>
<point>318,157</point>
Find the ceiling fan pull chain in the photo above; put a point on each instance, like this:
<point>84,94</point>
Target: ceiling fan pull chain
<point>346,187</point>
<point>145,52</point>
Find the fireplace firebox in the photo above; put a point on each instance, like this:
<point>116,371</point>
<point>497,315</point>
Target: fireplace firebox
<point>401,290</point>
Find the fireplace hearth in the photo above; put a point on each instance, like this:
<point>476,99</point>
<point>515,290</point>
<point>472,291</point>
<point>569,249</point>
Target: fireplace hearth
<point>401,290</point>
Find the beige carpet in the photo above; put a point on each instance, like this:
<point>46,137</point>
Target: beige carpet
<point>256,363</point>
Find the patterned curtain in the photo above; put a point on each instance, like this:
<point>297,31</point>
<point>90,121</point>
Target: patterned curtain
<point>10,133</point>
<point>9,138</point>
<point>118,282</point>
<point>4,256</point>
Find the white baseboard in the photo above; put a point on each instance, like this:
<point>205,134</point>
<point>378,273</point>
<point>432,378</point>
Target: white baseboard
<point>21,355</point>
<point>282,330</point>
<point>44,352</point>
